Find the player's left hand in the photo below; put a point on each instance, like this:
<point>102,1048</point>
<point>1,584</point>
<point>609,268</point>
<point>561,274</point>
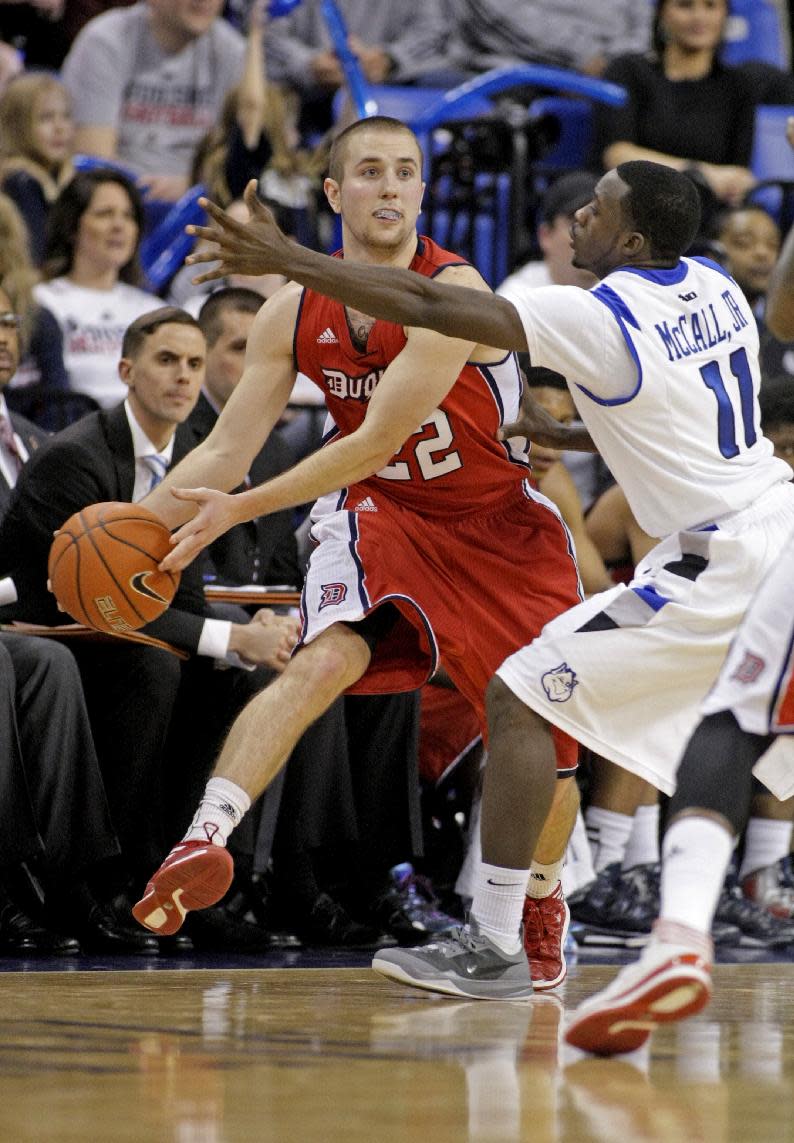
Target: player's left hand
<point>216,514</point>
<point>538,426</point>
<point>251,248</point>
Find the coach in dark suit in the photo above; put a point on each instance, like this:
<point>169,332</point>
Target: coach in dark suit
<point>55,827</point>
<point>157,721</point>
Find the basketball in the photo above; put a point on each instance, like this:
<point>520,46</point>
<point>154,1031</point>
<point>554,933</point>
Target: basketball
<point>103,567</point>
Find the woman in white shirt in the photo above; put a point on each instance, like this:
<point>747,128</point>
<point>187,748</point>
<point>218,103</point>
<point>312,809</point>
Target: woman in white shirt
<point>91,273</point>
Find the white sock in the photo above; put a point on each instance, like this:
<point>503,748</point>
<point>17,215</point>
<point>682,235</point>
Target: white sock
<point>223,807</point>
<point>498,904</point>
<point>578,869</point>
<point>608,833</point>
<point>696,853</point>
<point>765,842</point>
<point>543,879</point>
<point>643,846</point>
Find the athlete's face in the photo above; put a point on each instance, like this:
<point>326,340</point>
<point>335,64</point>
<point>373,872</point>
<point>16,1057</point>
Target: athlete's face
<point>554,239</point>
<point>752,242</point>
<point>559,403</point>
<point>226,356</point>
<point>164,378</point>
<point>602,235</point>
<point>380,193</point>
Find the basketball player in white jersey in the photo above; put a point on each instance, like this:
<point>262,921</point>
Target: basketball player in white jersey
<point>661,359</point>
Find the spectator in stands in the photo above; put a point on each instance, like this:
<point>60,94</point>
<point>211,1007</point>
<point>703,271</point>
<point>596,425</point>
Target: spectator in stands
<point>36,147</point>
<point>777,414</point>
<point>686,108</point>
<point>148,82</point>
<point>91,272</point>
<point>394,43</point>
<point>40,385</point>
<point>555,215</point>
<point>54,810</point>
<point>252,135</point>
<point>143,700</point>
<point>499,33</point>
<point>751,240</point>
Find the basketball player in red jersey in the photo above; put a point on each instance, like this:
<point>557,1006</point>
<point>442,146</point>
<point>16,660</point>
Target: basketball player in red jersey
<point>432,545</point>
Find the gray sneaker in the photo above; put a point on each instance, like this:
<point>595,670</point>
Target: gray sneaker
<point>465,963</point>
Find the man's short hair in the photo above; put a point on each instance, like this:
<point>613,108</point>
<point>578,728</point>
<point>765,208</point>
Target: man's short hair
<point>539,376</point>
<point>663,204</point>
<point>136,334</point>
<point>234,299</point>
<point>336,159</point>
<point>567,194</point>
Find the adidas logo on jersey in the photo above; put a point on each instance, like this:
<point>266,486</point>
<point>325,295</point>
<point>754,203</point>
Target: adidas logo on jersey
<point>365,505</point>
<point>328,337</point>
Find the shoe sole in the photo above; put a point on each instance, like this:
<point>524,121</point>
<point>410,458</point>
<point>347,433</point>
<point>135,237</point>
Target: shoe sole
<point>195,881</point>
<point>541,984</point>
<point>625,1024</point>
<point>448,987</point>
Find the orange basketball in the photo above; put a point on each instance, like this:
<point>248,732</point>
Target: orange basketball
<point>103,567</point>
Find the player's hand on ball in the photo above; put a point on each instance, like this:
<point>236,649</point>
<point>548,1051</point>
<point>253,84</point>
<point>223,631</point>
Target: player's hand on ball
<point>216,514</point>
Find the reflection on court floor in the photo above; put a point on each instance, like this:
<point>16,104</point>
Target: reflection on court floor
<point>226,1055</point>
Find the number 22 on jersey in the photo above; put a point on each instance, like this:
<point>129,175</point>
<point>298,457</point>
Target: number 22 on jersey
<point>432,454</point>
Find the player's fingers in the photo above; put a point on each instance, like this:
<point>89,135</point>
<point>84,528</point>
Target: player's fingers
<point>252,200</point>
<point>209,276</point>
<point>516,429</point>
<point>210,233</point>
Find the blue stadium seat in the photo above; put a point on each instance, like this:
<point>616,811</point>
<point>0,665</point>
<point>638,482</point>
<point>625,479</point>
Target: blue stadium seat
<point>772,162</point>
<point>165,248</point>
<point>755,32</point>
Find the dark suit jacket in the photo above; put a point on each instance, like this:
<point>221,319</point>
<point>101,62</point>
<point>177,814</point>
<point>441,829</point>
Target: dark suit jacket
<point>32,437</point>
<point>90,461</point>
<point>263,550</point>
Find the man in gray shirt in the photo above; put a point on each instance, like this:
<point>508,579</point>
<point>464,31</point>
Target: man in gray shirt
<point>568,33</point>
<point>148,82</point>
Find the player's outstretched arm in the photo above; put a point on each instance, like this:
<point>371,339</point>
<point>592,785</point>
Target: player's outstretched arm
<point>779,312</point>
<point>401,296</point>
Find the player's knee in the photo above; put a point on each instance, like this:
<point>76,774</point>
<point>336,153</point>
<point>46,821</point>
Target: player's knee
<point>506,711</point>
<point>328,665</point>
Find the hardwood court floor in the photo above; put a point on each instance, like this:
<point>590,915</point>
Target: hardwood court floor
<point>222,1055</point>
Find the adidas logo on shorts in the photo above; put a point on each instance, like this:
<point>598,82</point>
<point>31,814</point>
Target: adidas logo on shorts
<point>366,505</point>
<point>328,337</point>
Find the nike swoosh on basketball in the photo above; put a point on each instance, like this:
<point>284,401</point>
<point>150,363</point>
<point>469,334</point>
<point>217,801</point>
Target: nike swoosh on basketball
<point>139,584</point>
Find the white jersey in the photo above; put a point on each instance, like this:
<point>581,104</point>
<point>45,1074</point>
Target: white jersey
<point>93,324</point>
<point>663,367</point>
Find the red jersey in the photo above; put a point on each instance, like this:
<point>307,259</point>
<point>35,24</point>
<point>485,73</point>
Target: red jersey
<point>452,464</point>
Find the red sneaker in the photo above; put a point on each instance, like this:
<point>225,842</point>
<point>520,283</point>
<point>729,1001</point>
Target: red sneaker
<point>670,981</point>
<point>194,875</point>
<point>545,929</point>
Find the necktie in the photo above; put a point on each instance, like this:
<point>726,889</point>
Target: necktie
<point>157,465</point>
<point>8,441</point>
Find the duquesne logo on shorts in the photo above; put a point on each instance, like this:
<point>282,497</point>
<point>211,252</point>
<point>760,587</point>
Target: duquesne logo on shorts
<point>328,337</point>
<point>332,593</point>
